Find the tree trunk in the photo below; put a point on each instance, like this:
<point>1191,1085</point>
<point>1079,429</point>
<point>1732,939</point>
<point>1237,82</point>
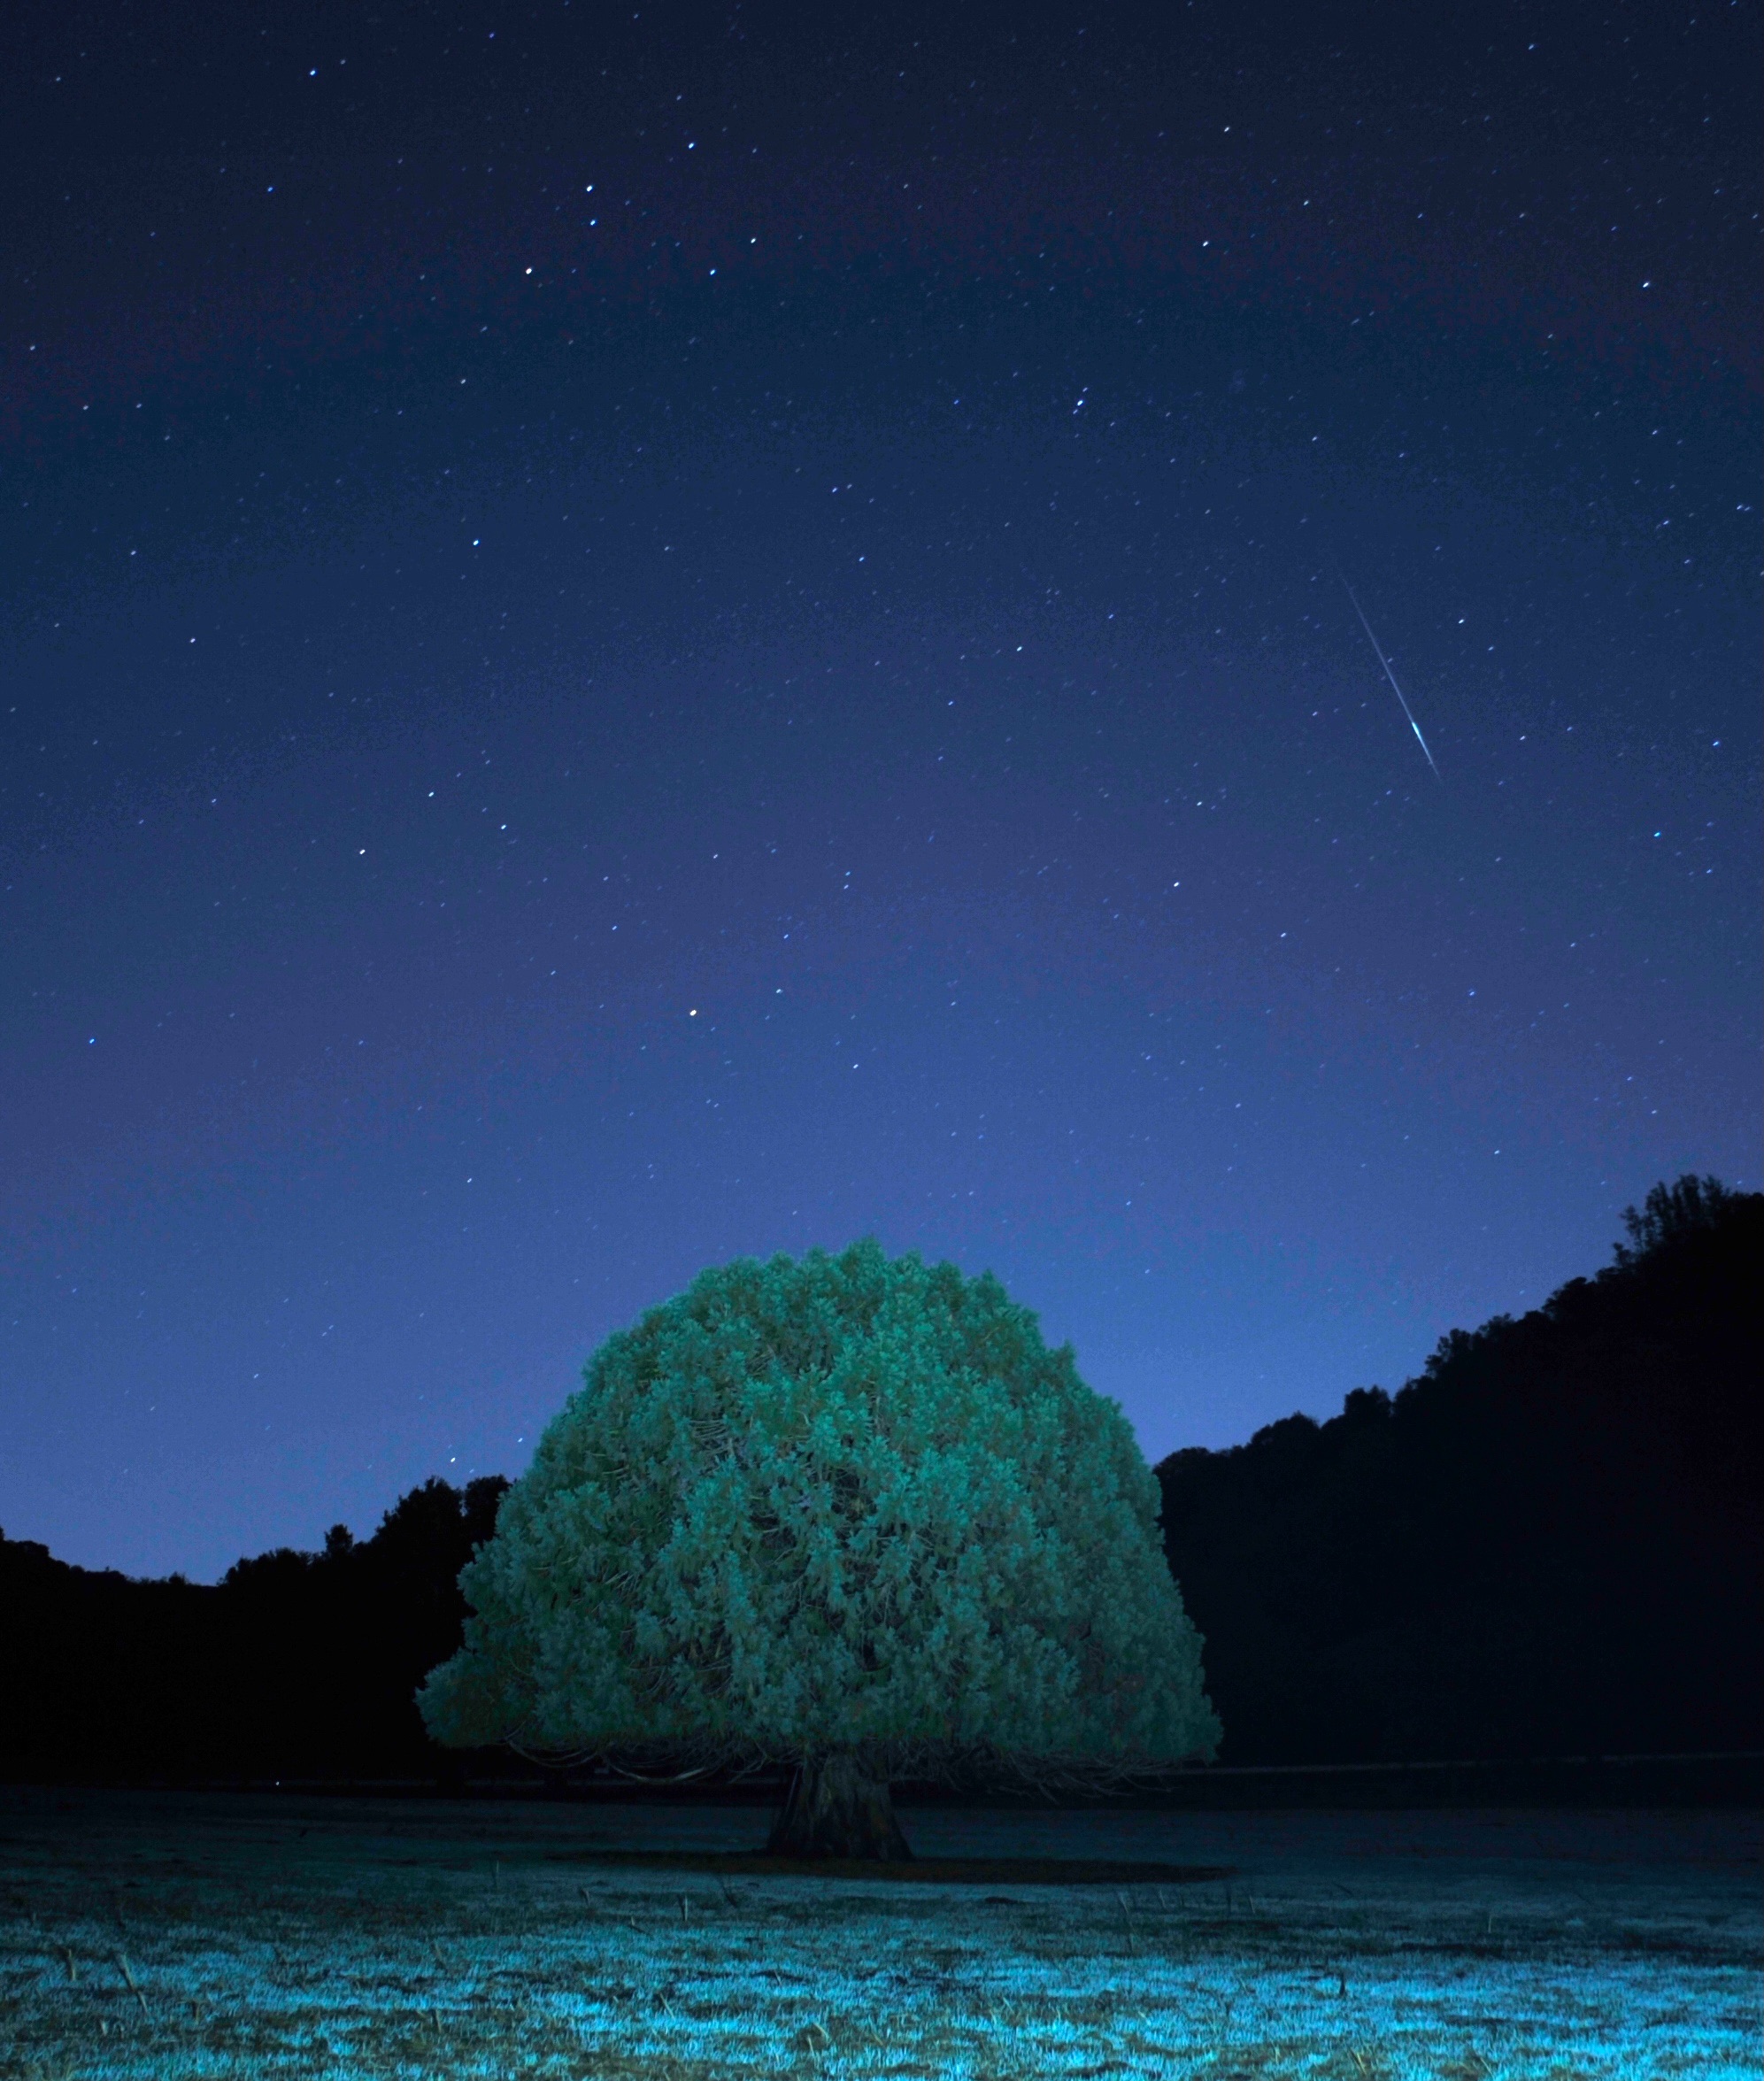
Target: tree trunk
<point>834,1810</point>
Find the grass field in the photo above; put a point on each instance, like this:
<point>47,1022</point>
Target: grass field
<point>149,1935</point>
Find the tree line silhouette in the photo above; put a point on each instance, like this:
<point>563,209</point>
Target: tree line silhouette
<point>1550,1543</point>
<point>1547,1544</point>
<point>294,1665</point>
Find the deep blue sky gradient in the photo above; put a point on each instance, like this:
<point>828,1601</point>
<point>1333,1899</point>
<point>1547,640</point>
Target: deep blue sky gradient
<point>517,786</point>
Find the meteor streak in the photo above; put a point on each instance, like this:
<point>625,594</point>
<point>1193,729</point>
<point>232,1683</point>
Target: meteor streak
<point>1391,676</point>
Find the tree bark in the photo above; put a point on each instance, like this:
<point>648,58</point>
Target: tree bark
<point>834,1810</point>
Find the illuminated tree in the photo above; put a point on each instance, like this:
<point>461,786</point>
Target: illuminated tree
<point>847,1514</point>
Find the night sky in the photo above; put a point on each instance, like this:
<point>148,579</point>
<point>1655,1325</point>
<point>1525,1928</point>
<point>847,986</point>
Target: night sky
<point>630,637</point>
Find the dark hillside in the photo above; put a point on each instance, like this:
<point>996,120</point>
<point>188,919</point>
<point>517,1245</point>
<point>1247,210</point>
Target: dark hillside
<point>294,1665</point>
<point>1548,1544</point>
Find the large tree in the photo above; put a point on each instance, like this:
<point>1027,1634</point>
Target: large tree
<point>846,1513</point>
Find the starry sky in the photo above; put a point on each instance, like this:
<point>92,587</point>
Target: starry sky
<point>633,637</point>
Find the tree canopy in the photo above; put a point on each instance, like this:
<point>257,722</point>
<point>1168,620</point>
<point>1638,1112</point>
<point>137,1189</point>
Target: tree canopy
<point>838,1505</point>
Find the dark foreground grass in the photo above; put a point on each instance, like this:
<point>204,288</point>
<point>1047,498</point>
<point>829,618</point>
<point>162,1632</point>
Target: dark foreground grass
<point>249,1936</point>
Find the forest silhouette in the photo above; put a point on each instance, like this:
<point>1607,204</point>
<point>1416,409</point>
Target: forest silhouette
<point>1548,1544</point>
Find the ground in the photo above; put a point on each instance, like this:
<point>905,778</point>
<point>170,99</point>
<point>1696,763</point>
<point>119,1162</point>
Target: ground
<point>269,1936</point>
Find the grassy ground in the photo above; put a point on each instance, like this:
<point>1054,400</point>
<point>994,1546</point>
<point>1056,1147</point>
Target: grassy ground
<point>242,1936</point>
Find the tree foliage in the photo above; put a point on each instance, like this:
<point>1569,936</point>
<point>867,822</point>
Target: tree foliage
<point>1672,1212</point>
<point>834,1506</point>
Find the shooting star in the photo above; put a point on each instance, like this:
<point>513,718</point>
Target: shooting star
<point>1391,676</point>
